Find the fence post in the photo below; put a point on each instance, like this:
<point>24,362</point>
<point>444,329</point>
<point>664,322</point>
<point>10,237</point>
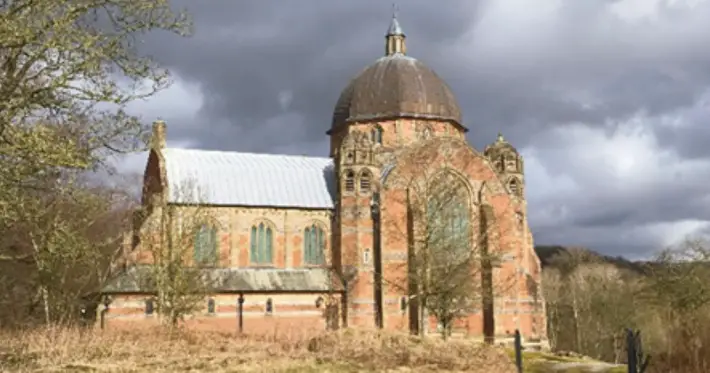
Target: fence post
<point>637,361</point>
<point>518,351</point>
<point>631,351</point>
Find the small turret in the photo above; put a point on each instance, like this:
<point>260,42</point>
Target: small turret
<point>508,163</point>
<point>395,38</point>
<point>158,136</point>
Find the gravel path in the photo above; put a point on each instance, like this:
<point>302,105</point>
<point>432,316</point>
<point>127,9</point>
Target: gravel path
<point>587,367</point>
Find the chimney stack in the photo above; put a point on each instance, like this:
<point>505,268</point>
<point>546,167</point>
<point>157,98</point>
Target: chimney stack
<point>158,140</point>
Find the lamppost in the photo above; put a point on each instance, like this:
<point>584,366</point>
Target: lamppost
<point>377,256</point>
<point>240,312</point>
<point>104,311</point>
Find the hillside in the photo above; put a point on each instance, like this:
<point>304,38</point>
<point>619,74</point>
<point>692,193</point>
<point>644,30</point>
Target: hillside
<point>547,253</point>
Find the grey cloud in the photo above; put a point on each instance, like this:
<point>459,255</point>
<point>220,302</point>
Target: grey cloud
<point>581,64</point>
<point>688,132</point>
<point>243,63</point>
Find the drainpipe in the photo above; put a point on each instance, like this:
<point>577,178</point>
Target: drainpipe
<point>377,256</point>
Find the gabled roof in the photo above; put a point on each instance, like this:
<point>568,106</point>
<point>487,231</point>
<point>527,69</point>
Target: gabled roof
<point>248,179</point>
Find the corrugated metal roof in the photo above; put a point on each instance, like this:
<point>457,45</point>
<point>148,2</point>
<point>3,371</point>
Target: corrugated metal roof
<point>138,279</point>
<point>249,179</point>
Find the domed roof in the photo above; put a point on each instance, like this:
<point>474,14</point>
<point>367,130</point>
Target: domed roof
<point>499,147</point>
<point>396,85</point>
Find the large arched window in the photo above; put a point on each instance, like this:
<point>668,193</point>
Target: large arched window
<point>449,219</point>
<point>205,251</point>
<point>314,245</point>
<point>261,244</point>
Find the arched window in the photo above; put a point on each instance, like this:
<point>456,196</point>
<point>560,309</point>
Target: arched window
<point>365,179</point>
<point>261,244</point>
<point>349,181</point>
<point>366,256</point>
<point>499,165</point>
<point>427,133</point>
<point>149,307</point>
<point>269,309</point>
<point>511,163</point>
<point>377,135</point>
<point>205,251</point>
<point>514,187</point>
<point>314,245</point>
<point>210,306</point>
<point>448,220</point>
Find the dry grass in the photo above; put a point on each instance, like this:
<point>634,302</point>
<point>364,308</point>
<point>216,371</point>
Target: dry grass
<point>156,350</point>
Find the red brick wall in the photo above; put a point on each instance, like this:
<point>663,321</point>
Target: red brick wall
<point>291,313</point>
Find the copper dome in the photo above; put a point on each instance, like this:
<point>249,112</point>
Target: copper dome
<point>396,86</point>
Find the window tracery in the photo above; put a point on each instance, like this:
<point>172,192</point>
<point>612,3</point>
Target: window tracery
<point>261,244</point>
<point>314,245</point>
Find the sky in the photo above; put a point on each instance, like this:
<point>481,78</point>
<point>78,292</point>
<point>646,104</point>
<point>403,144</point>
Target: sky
<point>607,100</point>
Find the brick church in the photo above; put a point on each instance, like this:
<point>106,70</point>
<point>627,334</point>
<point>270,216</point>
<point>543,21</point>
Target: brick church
<point>293,237</point>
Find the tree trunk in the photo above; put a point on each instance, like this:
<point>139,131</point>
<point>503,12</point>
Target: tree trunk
<point>45,304</point>
<point>422,318</point>
<point>575,311</point>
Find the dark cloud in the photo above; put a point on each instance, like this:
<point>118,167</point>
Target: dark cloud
<point>267,76</point>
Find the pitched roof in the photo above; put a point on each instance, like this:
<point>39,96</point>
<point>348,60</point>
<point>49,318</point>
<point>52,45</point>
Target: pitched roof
<point>248,179</point>
<point>138,280</point>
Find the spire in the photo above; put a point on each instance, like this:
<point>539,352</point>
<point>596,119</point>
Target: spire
<point>395,36</point>
<point>394,29</point>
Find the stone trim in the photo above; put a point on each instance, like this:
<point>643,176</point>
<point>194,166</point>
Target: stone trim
<point>203,316</point>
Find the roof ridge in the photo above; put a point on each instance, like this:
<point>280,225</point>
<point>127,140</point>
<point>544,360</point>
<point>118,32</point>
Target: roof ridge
<point>250,153</point>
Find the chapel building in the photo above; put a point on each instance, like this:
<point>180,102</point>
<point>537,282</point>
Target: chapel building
<point>300,239</point>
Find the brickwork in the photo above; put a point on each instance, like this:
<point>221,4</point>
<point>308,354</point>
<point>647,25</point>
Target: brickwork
<point>373,152</point>
<point>290,313</point>
<point>417,150</point>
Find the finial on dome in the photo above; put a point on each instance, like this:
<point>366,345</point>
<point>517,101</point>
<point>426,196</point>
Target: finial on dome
<point>500,137</point>
<point>395,28</point>
<point>395,36</point>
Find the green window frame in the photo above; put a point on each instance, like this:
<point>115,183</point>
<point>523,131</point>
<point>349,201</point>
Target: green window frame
<point>205,248</point>
<point>314,242</point>
<point>261,244</point>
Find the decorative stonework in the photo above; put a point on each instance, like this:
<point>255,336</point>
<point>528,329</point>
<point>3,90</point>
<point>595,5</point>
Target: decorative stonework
<point>394,256</point>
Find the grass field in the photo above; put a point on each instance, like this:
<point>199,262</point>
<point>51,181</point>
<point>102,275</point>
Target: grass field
<point>350,351</point>
<point>155,350</point>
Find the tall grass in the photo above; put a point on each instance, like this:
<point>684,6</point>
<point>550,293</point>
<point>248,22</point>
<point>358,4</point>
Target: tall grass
<point>157,350</point>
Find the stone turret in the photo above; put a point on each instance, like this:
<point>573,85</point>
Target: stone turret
<point>353,231</point>
<point>509,164</point>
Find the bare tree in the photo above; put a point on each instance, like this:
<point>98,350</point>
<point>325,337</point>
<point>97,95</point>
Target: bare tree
<point>449,234</point>
<point>181,242</point>
<point>67,72</point>
<point>62,241</point>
